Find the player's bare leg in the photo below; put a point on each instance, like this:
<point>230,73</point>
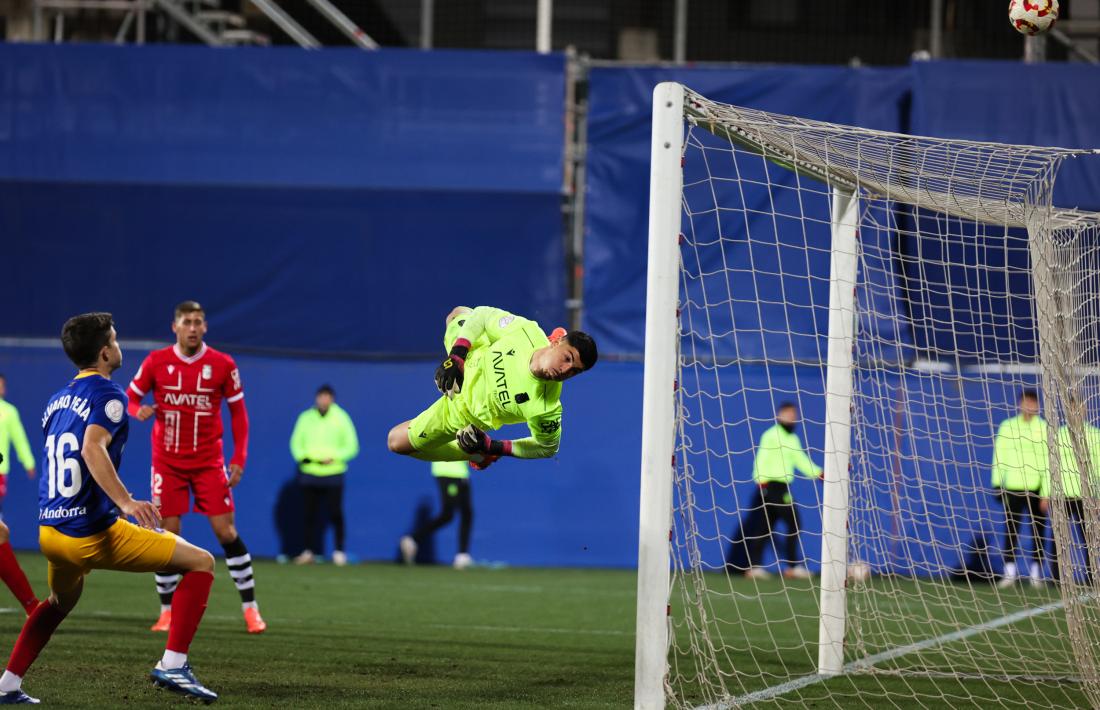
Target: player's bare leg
<point>239,562</point>
<point>398,440</point>
<point>167,581</point>
<point>12,574</point>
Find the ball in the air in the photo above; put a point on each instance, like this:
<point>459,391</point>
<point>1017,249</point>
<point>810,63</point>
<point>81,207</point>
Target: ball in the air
<point>859,571</point>
<point>1032,17</point>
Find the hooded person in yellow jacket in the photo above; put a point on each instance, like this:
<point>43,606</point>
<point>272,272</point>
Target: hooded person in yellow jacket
<point>778,455</point>
<point>323,442</point>
<point>1020,461</point>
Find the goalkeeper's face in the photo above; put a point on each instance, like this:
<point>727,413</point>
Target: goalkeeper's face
<point>558,362</point>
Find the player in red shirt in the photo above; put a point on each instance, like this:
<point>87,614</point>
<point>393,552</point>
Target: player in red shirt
<point>188,382</point>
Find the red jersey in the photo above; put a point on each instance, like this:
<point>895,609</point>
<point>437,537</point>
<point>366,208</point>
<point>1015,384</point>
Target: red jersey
<point>188,394</point>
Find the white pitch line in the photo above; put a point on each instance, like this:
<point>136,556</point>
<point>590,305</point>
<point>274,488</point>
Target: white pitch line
<point>534,630</point>
<point>869,661</point>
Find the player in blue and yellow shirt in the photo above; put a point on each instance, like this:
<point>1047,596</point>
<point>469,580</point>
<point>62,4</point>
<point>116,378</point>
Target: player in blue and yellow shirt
<point>80,501</point>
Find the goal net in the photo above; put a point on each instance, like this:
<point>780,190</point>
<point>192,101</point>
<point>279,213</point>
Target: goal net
<point>885,303</point>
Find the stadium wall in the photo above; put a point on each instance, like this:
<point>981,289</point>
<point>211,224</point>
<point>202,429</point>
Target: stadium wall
<point>340,202</point>
<point>579,508</point>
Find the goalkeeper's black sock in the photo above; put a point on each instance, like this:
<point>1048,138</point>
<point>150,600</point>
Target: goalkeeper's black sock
<point>240,569</point>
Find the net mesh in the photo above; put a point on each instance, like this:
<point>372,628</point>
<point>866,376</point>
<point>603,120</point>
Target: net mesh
<point>971,289</point>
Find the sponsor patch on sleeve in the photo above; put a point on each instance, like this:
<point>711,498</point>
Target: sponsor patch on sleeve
<point>114,410</point>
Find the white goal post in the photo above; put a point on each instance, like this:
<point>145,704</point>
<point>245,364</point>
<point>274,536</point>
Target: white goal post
<point>778,248</point>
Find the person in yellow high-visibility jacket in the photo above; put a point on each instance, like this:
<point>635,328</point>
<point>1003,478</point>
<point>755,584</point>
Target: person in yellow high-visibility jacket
<point>1073,489</point>
<point>1020,461</point>
<point>12,434</point>
<point>323,441</point>
<point>778,455</point>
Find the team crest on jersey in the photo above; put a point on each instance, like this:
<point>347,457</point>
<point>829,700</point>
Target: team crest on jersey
<point>503,322</point>
<point>207,372</point>
<point>171,369</point>
<point>114,410</point>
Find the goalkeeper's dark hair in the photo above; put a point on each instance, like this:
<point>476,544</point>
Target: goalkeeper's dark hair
<point>84,336</point>
<point>586,347</point>
<point>1029,394</point>
<point>189,307</point>
<point>786,405</point>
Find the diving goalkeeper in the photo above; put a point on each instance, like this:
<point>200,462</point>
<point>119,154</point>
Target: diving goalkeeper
<point>500,369</point>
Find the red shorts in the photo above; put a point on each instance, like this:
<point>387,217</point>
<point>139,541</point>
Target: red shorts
<point>172,487</point>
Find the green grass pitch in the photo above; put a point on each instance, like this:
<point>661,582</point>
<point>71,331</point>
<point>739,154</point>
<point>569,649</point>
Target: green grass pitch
<point>386,636</point>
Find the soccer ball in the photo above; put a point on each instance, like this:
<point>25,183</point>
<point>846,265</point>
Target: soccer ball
<point>859,571</point>
<point>1032,17</point>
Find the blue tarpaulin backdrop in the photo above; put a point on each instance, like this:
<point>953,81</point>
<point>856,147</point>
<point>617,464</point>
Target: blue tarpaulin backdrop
<point>971,100</point>
<point>341,202</point>
<point>334,201</point>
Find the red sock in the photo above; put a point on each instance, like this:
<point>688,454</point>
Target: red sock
<point>13,576</point>
<point>36,633</point>
<point>188,606</point>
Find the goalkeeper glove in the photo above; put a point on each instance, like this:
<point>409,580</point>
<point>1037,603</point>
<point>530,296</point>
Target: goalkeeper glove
<point>474,441</point>
<point>449,374</point>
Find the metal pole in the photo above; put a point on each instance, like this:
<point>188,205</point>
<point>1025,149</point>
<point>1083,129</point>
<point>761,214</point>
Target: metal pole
<point>427,15</point>
<point>544,26</point>
<point>679,45</point>
<point>838,431</point>
<point>344,24</point>
<point>120,36</point>
<point>935,29</point>
<point>577,72</point>
<point>184,18</point>
<point>1035,49</point>
<point>140,38</point>
<point>659,397</point>
<point>287,23</point>
<point>38,32</point>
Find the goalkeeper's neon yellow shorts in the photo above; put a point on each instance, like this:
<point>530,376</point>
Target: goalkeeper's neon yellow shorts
<point>439,424</point>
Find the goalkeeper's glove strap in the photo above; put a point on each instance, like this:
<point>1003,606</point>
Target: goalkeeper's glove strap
<point>460,350</point>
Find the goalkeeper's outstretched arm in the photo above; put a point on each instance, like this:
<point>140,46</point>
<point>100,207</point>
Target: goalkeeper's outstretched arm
<point>543,442</point>
<point>488,321</point>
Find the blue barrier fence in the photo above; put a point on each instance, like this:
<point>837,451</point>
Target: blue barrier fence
<point>341,202</point>
<point>971,100</point>
<point>579,508</point>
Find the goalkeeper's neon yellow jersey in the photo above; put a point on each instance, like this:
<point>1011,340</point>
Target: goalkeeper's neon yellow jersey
<point>498,387</point>
<point>1071,468</point>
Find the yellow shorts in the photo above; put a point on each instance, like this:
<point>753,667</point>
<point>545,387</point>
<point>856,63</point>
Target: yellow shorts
<point>123,546</point>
